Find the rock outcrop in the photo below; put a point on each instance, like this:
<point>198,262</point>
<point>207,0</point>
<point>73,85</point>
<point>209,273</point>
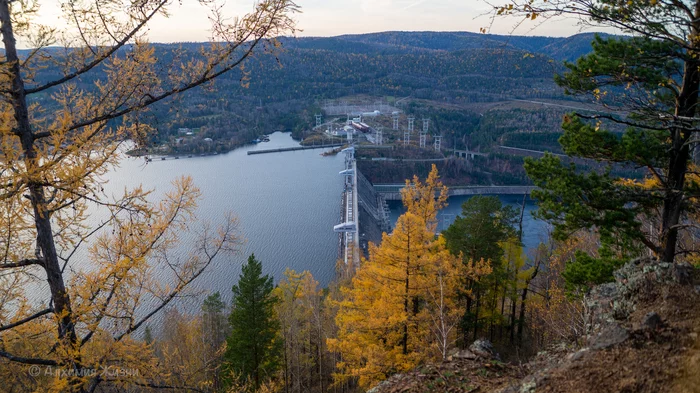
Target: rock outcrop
<point>642,336</point>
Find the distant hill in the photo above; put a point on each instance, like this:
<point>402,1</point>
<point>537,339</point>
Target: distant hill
<point>457,69</point>
<point>567,48</point>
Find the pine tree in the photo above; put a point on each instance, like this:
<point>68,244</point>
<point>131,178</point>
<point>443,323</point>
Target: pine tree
<point>253,346</point>
<point>214,328</point>
<point>479,234</point>
<point>646,86</point>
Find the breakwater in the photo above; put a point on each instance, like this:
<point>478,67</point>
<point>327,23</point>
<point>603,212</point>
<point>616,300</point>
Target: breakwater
<point>293,148</point>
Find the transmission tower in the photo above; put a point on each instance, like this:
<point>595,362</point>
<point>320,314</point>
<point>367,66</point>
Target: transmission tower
<point>423,137</point>
<point>437,140</point>
<point>406,138</point>
<point>395,117</point>
<point>411,119</point>
<point>379,136</point>
<point>318,120</point>
<point>426,125</point>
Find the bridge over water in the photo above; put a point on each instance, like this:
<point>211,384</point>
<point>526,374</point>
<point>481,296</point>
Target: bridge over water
<point>392,192</point>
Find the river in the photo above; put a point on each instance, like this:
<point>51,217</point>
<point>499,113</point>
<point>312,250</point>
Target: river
<point>286,203</point>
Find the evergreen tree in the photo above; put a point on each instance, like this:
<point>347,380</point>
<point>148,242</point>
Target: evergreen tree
<point>482,226</point>
<point>646,85</point>
<point>253,346</point>
<point>478,234</point>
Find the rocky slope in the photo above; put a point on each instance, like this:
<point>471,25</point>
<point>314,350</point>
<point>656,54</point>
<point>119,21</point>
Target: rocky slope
<point>643,336</point>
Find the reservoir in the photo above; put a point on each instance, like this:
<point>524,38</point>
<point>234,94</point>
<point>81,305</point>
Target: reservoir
<point>286,204</point>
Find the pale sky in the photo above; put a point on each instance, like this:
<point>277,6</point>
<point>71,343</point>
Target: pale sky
<point>188,20</point>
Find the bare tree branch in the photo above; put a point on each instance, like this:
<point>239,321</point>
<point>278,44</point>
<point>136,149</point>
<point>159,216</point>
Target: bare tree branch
<point>25,320</point>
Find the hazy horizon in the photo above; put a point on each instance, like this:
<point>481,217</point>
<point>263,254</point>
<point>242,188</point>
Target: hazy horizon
<point>188,21</point>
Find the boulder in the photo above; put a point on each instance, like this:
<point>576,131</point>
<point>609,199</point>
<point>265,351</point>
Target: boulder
<point>483,348</point>
<point>609,337</point>
<point>652,321</point>
<point>465,354</point>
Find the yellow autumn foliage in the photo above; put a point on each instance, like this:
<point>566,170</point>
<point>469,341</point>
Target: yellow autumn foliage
<point>76,286</point>
<point>400,309</point>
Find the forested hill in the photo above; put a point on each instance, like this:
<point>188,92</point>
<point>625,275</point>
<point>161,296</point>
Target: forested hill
<point>558,48</point>
<point>456,69</point>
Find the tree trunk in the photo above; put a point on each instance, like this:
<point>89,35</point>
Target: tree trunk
<point>679,156</point>
<point>522,216</point>
<point>465,328</point>
<point>513,307</point>
<point>320,354</point>
<point>286,366</point>
<point>406,295</point>
<point>476,315</point>
<point>503,303</point>
<point>405,325</point>
<point>521,319</point>
<point>42,219</point>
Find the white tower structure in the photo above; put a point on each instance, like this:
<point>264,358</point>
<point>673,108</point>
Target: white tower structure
<point>411,120</point>
<point>318,120</point>
<point>395,117</point>
<point>426,124</point>
<point>438,140</point>
<point>423,137</point>
<point>406,138</point>
<point>349,228</point>
<point>379,139</point>
<point>349,136</point>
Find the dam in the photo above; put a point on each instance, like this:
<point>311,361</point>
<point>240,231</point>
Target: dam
<point>364,214</point>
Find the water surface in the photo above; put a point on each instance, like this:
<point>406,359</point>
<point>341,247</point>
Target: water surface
<point>286,203</point>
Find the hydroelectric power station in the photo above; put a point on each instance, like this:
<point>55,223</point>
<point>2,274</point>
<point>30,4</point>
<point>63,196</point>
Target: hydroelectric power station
<point>365,214</point>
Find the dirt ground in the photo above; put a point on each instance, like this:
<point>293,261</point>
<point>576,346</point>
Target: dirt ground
<point>459,376</point>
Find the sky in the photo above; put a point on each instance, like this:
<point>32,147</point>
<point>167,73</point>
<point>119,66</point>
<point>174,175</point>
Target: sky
<point>189,20</point>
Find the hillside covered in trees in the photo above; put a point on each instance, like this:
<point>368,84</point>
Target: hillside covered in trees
<point>451,72</point>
